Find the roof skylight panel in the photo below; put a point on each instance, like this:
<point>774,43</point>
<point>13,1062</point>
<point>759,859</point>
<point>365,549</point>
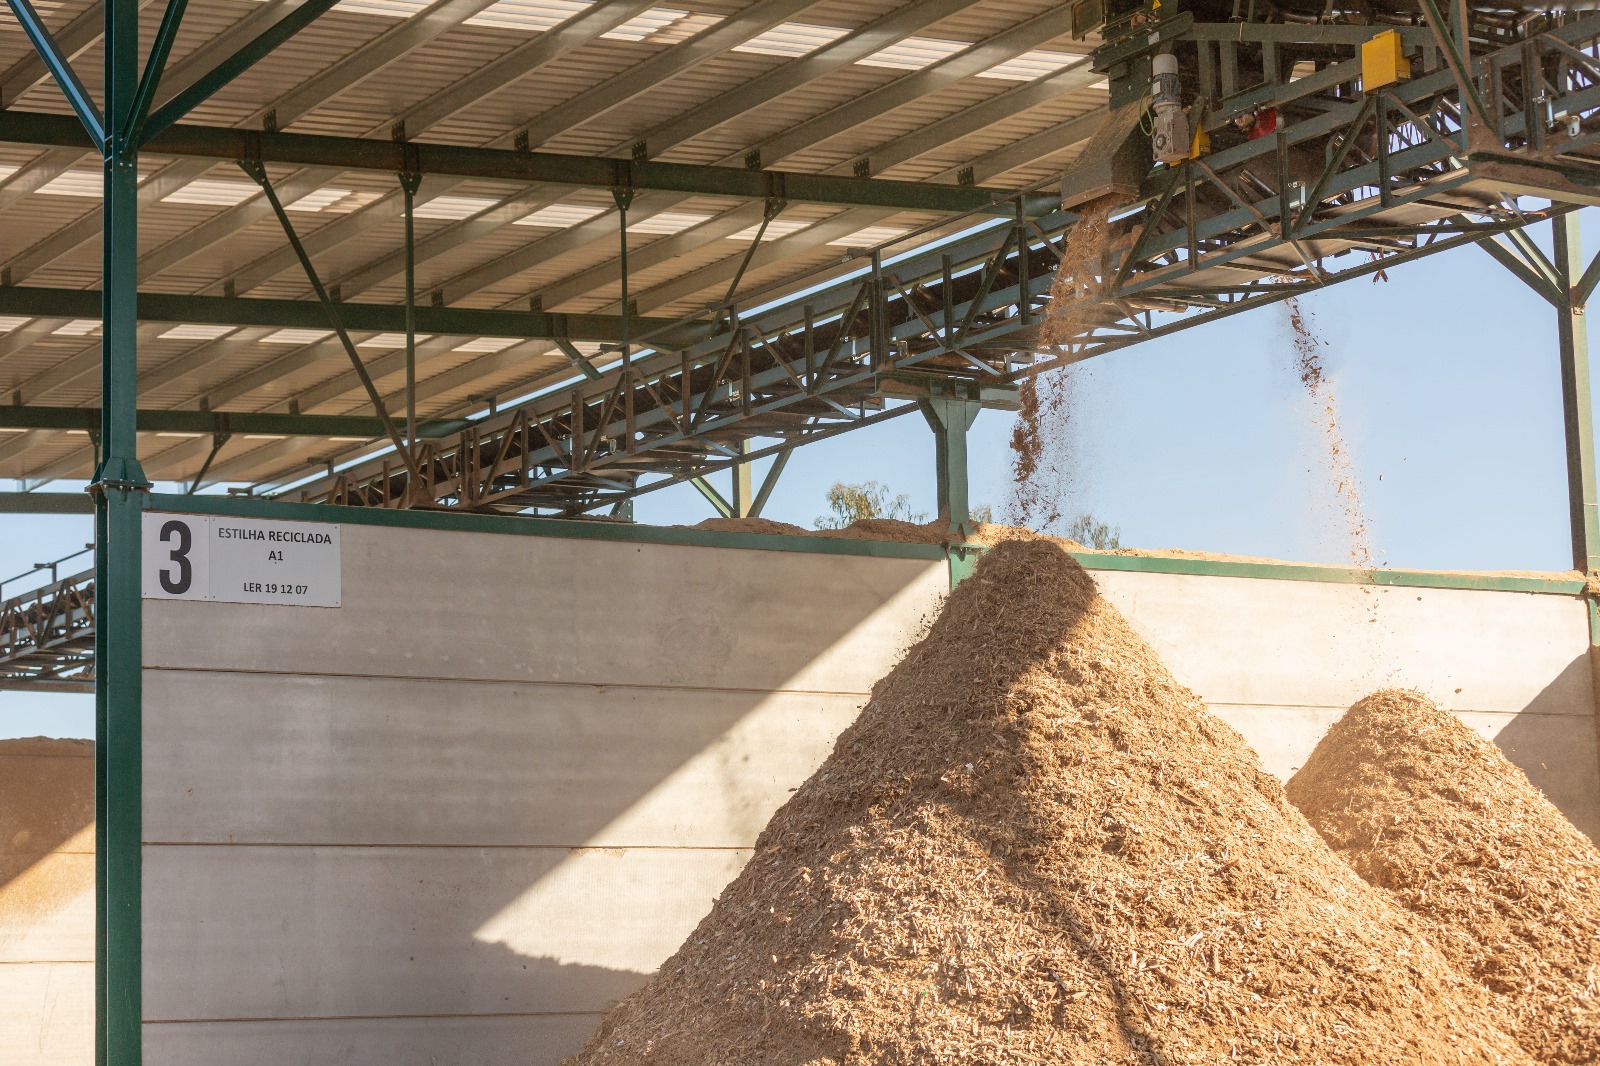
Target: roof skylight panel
<point>11,322</point>
<point>296,336</point>
<point>778,227</point>
<point>78,327</point>
<point>87,183</point>
<point>667,222</point>
<point>454,208</point>
<point>209,192</point>
<point>791,39</point>
<point>529,16</point>
<point>486,344</point>
<point>869,237</point>
<point>662,25</point>
<point>914,53</point>
<point>354,201</point>
<point>6,171</point>
<point>560,216</point>
<point>396,9</point>
<point>188,332</point>
<point>391,340</point>
<point>1030,65</point>
<point>319,200</point>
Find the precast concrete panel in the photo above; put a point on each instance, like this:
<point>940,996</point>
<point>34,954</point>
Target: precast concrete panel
<point>490,792</point>
<point>485,607</point>
<point>500,763</point>
<point>311,932</point>
<point>483,1040</point>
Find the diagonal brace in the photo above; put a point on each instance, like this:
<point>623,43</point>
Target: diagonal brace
<point>577,360</point>
<point>1457,63</point>
<point>154,67</point>
<point>1528,277</point>
<point>1586,284</point>
<point>1347,140</point>
<point>224,72</point>
<point>218,441</point>
<point>1534,256</point>
<point>258,174</point>
<point>770,482</point>
<point>715,498</point>
<point>60,68</point>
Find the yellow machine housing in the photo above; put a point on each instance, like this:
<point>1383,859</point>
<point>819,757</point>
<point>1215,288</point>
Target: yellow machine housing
<point>1383,61</point>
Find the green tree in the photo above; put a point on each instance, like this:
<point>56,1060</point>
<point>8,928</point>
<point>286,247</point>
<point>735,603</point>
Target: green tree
<point>1092,534</point>
<point>867,499</point>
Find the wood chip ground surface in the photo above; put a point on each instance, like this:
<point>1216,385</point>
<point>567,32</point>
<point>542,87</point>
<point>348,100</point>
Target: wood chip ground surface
<point>1034,846</point>
<point>1425,808</point>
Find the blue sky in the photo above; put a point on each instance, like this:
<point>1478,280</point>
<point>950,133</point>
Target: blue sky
<point>1449,396</point>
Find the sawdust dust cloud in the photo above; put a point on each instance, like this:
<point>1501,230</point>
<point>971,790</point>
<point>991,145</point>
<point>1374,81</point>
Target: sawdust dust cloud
<point>1335,458</point>
<point>1047,446</point>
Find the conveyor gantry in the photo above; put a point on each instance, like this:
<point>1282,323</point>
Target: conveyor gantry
<point>1349,183</point>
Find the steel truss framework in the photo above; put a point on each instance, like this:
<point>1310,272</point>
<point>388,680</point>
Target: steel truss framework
<point>943,321</point>
<point>47,637</point>
<point>1404,177</point>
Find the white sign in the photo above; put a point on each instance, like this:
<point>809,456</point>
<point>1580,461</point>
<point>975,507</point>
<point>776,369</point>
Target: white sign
<point>241,560</point>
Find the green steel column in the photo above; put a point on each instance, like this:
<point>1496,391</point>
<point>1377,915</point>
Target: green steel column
<point>950,417</point>
<point>119,489</point>
<point>743,487</point>
<point>409,184</point>
<point>1573,339</point>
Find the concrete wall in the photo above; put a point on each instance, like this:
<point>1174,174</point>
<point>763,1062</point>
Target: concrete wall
<point>1282,660</point>
<point>46,902</point>
<point>454,819</point>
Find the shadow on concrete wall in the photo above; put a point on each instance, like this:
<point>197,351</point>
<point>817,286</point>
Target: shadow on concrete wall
<point>1558,749</point>
<point>542,766</point>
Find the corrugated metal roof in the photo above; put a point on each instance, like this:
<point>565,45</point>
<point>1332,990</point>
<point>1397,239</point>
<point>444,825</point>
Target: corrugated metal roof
<point>356,232</point>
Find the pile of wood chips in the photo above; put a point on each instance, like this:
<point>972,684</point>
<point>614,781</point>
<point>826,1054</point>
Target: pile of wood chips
<point>1426,809</point>
<point>1034,846</point>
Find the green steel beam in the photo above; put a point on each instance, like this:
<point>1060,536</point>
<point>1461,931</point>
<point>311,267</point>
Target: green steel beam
<point>1555,584</point>
<point>204,423</point>
<point>33,301</point>
<point>46,503</point>
<point>154,67</point>
<point>507,164</point>
<point>90,121</point>
<point>743,485</point>
<point>258,174</point>
<point>1521,271</point>
<point>1586,284</point>
<point>770,482</point>
<point>950,417</point>
<point>723,508</point>
<point>234,65</point>
<point>120,489</point>
<point>1573,338</point>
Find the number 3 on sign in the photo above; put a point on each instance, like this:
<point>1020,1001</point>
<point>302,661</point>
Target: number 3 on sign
<point>178,579</point>
<point>176,556</point>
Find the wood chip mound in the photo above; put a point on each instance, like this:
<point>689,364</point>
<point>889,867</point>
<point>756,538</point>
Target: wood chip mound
<point>1034,846</point>
<point>753,525</point>
<point>1423,807</point>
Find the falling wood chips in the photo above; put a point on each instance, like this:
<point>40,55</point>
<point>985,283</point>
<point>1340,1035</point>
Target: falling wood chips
<point>1422,806</point>
<point>1034,846</point>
